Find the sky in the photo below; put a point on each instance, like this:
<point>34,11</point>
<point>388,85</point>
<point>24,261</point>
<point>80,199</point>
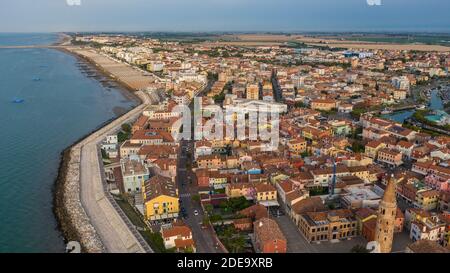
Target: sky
<point>224,15</point>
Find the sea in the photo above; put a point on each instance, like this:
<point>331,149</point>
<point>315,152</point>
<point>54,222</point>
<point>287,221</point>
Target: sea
<point>47,103</point>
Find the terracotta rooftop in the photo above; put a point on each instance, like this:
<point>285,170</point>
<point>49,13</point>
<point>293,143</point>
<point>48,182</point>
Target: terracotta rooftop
<point>159,185</point>
<point>183,231</point>
<point>262,187</point>
<point>267,230</point>
<point>427,246</point>
<point>310,204</point>
<point>256,212</point>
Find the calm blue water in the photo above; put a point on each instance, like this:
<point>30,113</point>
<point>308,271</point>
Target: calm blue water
<point>11,39</point>
<point>435,104</point>
<point>60,108</point>
<point>399,116</point>
<point>436,101</point>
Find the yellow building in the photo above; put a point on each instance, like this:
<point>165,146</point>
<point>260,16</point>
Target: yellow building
<point>276,178</point>
<point>217,180</point>
<point>297,146</point>
<point>211,162</point>
<point>415,215</point>
<point>361,172</point>
<point>427,199</point>
<point>265,192</point>
<point>363,215</point>
<point>372,148</point>
<point>160,198</point>
<point>236,190</point>
<point>253,92</point>
<point>330,225</point>
<point>232,162</point>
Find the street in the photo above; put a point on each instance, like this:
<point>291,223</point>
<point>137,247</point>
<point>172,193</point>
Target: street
<point>204,238</point>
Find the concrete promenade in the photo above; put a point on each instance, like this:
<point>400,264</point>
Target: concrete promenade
<point>114,232</point>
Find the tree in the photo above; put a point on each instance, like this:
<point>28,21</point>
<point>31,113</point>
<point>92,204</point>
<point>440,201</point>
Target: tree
<point>305,154</point>
<point>299,104</point>
<point>215,218</point>
<point>232,239</point>
<point>359,249</point>
<point>205,220</point>
<point>209,209</point>
<point>126,128</point>
<point>213,76</point>
<point>357,147</point>
<point>104,154</point>
<point>121,136</point>
<point>233,205</point>
<point>356,132</point>
<point>189,249</point>
<point>237,243</point>
<point>356,113</point>
<point>219,98</point>
<point>195,198</point>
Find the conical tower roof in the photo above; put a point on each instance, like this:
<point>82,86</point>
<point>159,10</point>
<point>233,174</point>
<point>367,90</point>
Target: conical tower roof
<point>389,193</point>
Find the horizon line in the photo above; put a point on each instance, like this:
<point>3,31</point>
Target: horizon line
<point>447,32</point>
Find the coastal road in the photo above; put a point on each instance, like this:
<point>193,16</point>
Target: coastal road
<point>116,235</point>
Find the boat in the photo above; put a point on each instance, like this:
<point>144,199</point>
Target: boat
<point>36,79</point>
<point>420,107</point>
<point>18,100</point>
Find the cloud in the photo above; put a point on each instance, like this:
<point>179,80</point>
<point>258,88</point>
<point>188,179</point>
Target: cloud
<point>73,2</point>
<point>374,2</point>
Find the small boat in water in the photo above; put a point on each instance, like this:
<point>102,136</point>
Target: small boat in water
<point>36,79</point>
<point>420,107</point>
<point>18,100</point>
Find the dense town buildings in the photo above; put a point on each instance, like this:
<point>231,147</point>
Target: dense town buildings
<point>327,173</point>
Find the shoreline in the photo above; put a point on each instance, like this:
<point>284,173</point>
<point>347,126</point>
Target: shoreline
<point>71,231</point>
<point>65,225</point>
<point>127,91</point>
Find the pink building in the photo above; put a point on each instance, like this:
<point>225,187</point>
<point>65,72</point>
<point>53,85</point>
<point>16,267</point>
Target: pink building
<point>438,182</point>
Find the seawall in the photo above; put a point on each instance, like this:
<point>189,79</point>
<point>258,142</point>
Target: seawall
<point>72,218</point>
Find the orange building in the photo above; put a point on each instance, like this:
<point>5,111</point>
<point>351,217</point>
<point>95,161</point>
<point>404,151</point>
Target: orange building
<point>268,237</point>
<point>323,104</point>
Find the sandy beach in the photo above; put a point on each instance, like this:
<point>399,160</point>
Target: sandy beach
<point>127,90</point>
<point>121,72</point>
